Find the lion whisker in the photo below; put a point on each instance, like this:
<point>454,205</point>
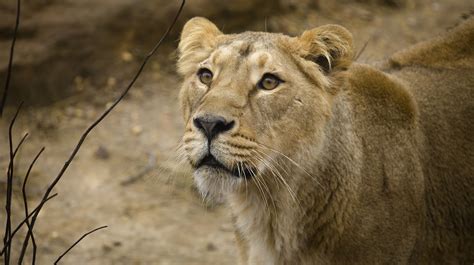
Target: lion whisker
<point>256,176</point>
<point>276,173</point>
<point>260,188</point>
<point>291,160</point>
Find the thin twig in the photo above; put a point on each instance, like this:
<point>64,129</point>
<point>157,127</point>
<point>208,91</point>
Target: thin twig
<point>20,225</point>
<point>10,181</point>
<point>100,118</point>
<point>77,242</point>
<point>149,166</point>
<point>361,50</point>
<point>25,203</point>
<point>10,60</point>
<point>8,202</point>
<point>20,143</point>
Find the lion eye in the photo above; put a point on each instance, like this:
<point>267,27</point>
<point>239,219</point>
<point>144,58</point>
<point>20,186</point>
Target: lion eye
<point>269,82</point>
<point>205,76</point>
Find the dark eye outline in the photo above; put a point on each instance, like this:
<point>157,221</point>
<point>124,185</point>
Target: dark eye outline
<point>203,71</point>
<point>272,76</point>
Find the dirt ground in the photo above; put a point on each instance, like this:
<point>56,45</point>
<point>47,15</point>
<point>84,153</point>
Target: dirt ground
<point>126,175</point>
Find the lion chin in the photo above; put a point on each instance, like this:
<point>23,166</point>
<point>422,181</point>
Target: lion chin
<point>322,160</point>
<point>214,184</point>
<point>214,179</point>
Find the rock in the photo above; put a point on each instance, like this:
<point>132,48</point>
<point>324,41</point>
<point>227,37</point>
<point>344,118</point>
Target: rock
<point>106,248</point>
<point>137,129</point>
<point>102,152</point>
<point>111,82</point>
<point>211,247</point>
<point>126,56</point>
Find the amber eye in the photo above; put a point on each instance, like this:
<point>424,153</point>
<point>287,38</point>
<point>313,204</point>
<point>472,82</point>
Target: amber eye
<point>205,76</point>
<point>269,82</point>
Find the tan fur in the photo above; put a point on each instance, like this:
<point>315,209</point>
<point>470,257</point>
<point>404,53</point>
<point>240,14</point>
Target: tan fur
<point>352,165</point>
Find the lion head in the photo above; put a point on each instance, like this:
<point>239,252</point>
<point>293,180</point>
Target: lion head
<point>251,98</point>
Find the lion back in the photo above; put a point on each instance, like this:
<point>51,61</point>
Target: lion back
<point>453,50</point>
<point>440,76</point>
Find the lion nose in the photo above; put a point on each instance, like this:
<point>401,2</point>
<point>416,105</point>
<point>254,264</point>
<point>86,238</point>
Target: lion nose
<point>212,125</point>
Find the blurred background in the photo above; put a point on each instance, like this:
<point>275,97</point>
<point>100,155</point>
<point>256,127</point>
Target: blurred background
<point>73,58</point>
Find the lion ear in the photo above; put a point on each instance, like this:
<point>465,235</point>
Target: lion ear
<point>329,46</point>
<point>198,39</point>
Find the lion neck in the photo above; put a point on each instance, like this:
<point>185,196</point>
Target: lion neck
<point>277,227</point>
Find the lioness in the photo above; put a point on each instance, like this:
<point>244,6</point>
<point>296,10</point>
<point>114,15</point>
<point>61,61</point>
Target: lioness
<point>326,161</point>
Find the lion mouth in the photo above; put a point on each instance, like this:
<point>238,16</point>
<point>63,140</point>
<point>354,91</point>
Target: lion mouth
<point>240,172</point>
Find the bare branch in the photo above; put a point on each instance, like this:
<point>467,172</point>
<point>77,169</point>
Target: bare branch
<point>361,50</point>
<point>8,202</point>
<point>77,242</point>
<point>20,143</point>
<point>25,203</point>
<point>22,223</point>
<point>134,178</point>
<point>10,60</point>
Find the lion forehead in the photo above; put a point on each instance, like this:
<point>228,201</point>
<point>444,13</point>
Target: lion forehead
<point>254,57</point>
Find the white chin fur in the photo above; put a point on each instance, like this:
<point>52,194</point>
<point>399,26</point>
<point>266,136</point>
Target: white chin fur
<point>213,185</point>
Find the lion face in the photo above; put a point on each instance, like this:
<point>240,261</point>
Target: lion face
<point>253,101</point>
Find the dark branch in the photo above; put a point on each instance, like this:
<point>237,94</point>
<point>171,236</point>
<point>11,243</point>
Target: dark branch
<point>20,143</point>
<point>361,50</point>
<point>20,225</point>
<point>8,203</point>
<point>25,203</point>
<point>10,60</point>
<point>134,178</point>
<point>77,242</point>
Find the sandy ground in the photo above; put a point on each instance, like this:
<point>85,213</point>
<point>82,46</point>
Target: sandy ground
<point>158,218</point>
